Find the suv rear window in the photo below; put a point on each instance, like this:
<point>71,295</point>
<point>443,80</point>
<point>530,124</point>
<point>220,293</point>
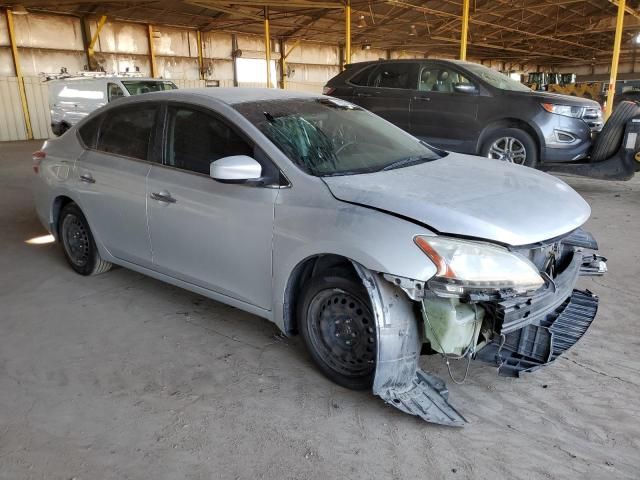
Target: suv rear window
<point>362,77</point>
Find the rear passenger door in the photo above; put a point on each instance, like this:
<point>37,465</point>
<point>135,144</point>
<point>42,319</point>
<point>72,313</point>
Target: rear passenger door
<point>110,180</point>
<point>211,234</point>
<point>388,90</point>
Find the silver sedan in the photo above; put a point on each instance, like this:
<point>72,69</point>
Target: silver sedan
<point>332,223</point>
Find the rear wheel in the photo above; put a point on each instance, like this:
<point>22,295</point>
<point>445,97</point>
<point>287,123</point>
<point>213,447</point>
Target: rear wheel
<point>78,243</point>
<point>510,145</point>
<point>338,328</point>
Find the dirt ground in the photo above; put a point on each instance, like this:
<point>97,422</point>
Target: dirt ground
<point>121,376</point>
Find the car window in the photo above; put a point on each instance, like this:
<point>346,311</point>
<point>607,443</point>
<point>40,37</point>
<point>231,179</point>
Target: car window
<point>195,139</point>
<point>362,78</point>
<point>89,131</point>
<point>127,131</point>
<point>435,78</point>
<point>138,87</point>
<point>393,75</point>
<point>114,91</point>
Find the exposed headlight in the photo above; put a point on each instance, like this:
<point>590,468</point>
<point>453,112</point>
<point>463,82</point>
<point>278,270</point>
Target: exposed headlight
<point>467,267</point>
<point>566,110</point>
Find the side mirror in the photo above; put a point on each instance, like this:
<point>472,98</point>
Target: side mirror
<point>467,88</point>
<point>235,169</point>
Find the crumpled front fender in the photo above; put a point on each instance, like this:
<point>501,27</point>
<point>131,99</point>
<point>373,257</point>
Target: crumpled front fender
<point>398,380</point>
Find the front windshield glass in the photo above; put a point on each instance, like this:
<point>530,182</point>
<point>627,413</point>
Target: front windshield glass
<point>496,79</point>
<point>327,136</point>
<point>136,87</point>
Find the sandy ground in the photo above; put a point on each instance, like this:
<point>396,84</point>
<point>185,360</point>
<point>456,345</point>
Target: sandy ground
<point>121,376</point>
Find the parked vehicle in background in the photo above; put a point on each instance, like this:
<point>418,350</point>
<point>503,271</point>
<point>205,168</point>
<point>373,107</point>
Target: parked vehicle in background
<point>73,98</point>
<point>469,108</point>
<point>329,221</point>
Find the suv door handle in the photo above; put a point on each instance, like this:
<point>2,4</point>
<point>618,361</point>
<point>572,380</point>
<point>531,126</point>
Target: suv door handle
<point>359,94</point>
<point>422,99</point>
<point>163,197</point>
<point>87,178</point>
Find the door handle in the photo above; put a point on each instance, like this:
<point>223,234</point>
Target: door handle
<point>363,95</point>
<point>87,178</point>
<point>422,99</point>
<point>163,197</point>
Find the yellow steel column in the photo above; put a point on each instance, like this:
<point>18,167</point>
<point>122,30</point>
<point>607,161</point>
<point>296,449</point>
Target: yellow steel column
<point>464,33</point>
<point>94,39</point>
<point>616,57</point>
<point>152,52</point>
<point>347,33</point>
<point>16,66</point>
<point>267,45</point>
<point>200,62</point>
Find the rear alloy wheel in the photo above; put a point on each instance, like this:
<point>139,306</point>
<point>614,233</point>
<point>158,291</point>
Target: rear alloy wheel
<point>338,327</point>
<point>511,145</point>
<point>78,243</point>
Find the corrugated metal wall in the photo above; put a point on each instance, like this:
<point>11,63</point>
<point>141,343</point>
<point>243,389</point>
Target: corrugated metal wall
<point>123,45</point>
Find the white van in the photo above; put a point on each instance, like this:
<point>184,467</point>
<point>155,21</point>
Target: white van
<point>71,99</point>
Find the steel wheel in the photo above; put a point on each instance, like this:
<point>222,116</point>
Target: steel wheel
<point>342,331</point>
<point>75,240</point>
<point>509,149</point>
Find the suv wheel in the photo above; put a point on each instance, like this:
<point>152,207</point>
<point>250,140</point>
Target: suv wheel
<point>78,243</point>
<point>511,145</point>
<point>338,328</point>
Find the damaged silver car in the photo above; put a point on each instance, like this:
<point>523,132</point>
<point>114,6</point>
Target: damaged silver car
<point>333,223</point>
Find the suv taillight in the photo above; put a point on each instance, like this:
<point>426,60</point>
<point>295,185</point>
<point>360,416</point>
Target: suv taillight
<point>37,157</point>
<point>328,90</point>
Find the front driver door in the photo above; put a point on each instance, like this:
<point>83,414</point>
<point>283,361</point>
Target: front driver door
<point>207,233</point>
<point>440,114</point>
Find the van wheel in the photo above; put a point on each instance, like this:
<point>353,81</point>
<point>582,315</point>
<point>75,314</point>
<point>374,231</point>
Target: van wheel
<point>510,145</point>
<point>337,325</point>
<point>78,243</point>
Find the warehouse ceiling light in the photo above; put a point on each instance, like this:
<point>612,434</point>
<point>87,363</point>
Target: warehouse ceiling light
<point>636,39</point>
<point>413,32</point>
<point>362,23</point>
<point>19,10</point>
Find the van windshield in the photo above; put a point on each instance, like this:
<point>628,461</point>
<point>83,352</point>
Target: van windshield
<point>136,87</point>
<point>326,136</point>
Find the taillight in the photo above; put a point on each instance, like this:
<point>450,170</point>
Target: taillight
<point>328,90</point>
<point>37,157</point>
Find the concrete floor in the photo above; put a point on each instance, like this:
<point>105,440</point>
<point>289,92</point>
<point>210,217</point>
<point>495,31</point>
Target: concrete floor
<point>122,376</point>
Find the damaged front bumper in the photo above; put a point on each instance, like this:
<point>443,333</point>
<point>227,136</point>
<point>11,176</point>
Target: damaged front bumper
<point>521,333</point>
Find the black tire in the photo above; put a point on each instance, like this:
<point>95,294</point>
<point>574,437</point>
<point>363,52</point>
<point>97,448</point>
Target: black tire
<point>610,138</point>
<point>78,244</point>
<point>336,322</point>
<point>529,145</point>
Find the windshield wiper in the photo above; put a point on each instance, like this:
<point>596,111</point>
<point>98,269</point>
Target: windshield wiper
<point>404,162</point>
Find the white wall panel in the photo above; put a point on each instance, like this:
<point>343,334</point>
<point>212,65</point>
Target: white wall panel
<point>120,37</point>
<point>216,45</point>
<point>4,32</point>
<point>48,31</point>
<point>174,42</point>
<point>36,61</point>
<point>12,125</point>
<point>178,68</point>
<point>38,102</point>
<point>6,62</point>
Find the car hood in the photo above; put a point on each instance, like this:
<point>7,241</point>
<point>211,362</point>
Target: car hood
<point>560,99</point>
<point>471,196</point>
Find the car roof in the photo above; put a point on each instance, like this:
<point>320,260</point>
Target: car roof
<point>411,60</point>
<point>107,78</point>
<point>231,95</point>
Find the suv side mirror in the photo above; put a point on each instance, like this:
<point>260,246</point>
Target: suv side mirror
<point>467,88</point>
<point>235,169</point>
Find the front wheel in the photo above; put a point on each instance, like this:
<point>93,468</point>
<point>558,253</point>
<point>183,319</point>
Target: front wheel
<point>511,145</point>
<point>337,325</point>
<point>78,243</point>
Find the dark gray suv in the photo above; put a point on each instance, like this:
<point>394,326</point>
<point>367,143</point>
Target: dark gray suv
<point>469,108</point>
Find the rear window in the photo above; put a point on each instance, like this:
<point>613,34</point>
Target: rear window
<point>137,87</point>
<point>127,131</point>
<point>362,77</point>
<point>89,131</point>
